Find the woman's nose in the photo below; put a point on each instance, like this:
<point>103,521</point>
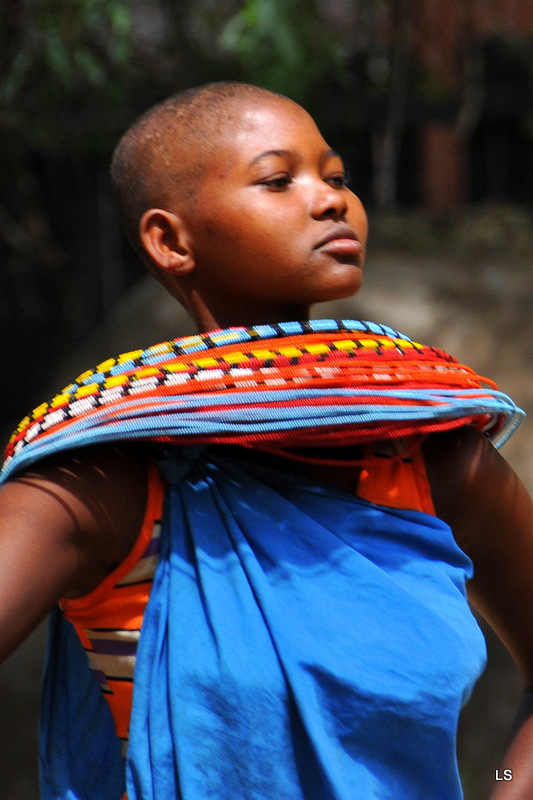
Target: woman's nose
<point>329,202</point>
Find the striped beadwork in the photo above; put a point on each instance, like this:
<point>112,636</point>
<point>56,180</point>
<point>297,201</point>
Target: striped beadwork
<point>291,384</point>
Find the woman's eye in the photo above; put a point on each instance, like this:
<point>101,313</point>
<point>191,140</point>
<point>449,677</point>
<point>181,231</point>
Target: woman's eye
<point>339,181</point>
<point>278,182</point>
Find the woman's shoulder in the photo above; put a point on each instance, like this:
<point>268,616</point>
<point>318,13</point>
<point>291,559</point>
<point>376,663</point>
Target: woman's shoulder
<point>103,491</point>
<point>474,489</point>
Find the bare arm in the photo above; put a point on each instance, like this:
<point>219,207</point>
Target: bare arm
<point>64,526</point>
<point>491,514</point>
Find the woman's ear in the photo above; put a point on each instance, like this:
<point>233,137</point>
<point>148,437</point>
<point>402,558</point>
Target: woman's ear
<point>164,238</point>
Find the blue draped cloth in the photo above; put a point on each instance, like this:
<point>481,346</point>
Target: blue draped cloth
<point>299,643</point>
<point>80,754</point>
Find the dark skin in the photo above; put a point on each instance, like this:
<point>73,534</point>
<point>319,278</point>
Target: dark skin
<point>63,527</point>
<point>269,200</point>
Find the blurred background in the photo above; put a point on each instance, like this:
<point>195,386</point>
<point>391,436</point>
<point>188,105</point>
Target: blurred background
<point>430,102</point>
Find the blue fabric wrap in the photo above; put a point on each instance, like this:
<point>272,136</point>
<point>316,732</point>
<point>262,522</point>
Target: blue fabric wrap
<point>299,643</point>
<point>80,757</point>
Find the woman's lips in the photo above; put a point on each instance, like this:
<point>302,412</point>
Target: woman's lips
<point>342,246</point>
<point>340,240</point>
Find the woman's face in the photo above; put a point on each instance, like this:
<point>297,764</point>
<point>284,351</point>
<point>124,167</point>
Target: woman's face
<point>274,227</point>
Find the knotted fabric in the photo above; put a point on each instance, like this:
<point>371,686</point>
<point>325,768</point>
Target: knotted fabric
<point>299,644</point>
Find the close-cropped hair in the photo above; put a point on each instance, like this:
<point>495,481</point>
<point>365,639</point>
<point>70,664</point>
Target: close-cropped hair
<point>162,158</point>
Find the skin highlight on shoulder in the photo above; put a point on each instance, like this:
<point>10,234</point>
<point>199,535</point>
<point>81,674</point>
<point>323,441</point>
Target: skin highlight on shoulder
<point>100,493</point>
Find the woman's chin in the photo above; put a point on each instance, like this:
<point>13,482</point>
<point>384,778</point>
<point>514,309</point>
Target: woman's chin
<point>346,283</point>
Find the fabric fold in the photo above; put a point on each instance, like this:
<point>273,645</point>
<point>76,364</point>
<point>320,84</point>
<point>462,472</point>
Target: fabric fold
<point>290,664</point>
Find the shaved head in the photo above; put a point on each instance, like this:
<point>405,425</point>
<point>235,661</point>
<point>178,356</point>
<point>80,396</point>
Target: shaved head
<point>162,158</point>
